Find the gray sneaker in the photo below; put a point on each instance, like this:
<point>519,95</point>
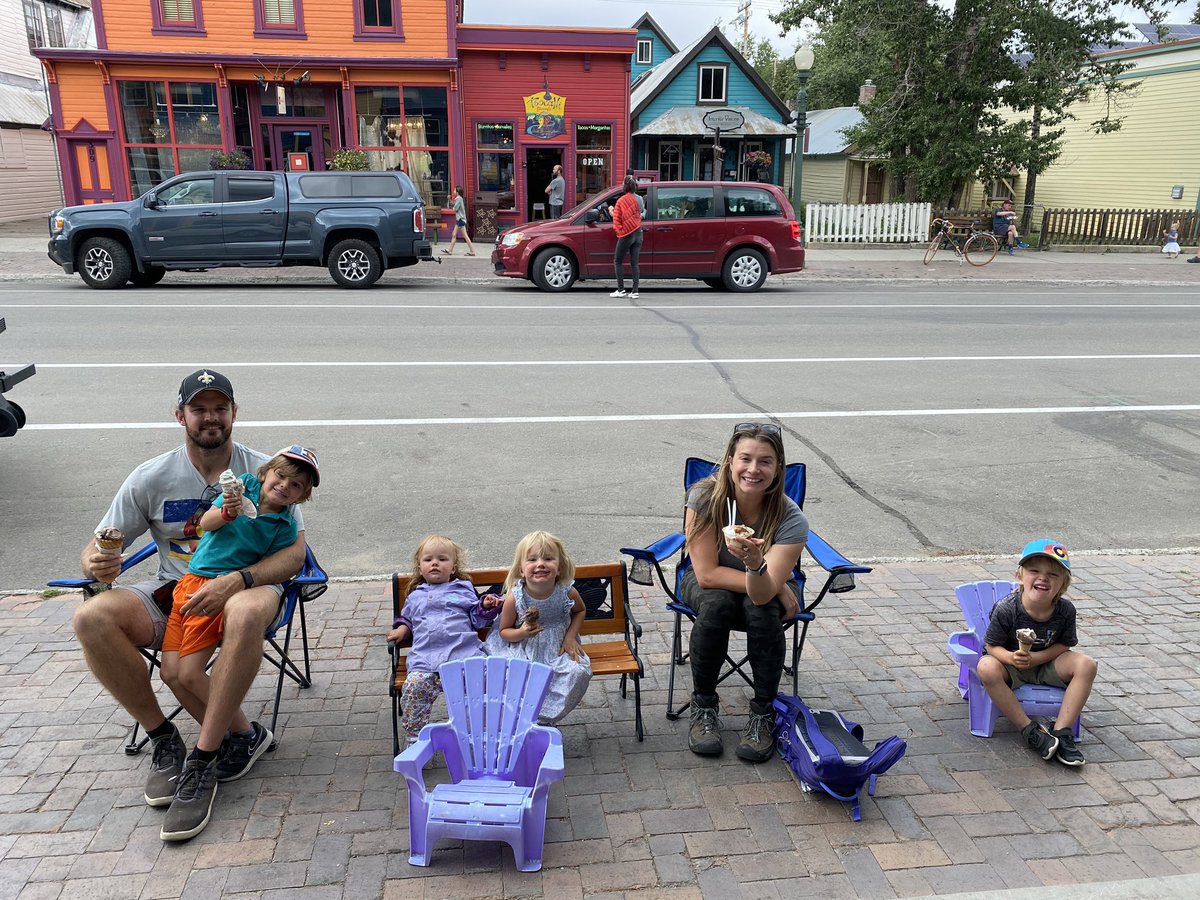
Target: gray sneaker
<point>758,738</point>
<point>165,766</point>
<point>195,791</point>
<point>704,737</point>
<point>1040,741</point>
<point>239,753</point>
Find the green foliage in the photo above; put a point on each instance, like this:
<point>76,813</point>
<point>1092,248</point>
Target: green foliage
<point>233,160</point>
<point>51,593</point>
<point>347,160</point>
<point>950,77</point>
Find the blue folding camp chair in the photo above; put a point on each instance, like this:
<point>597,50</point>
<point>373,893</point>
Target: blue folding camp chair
<point>311,583</point>
<point>648,562</point>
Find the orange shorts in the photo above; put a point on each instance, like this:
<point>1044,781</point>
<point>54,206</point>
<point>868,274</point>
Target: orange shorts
<point>191,634</point>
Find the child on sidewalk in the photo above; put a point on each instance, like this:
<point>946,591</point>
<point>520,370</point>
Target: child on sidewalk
<point>1171,247</point>
<point>1037,605</point>
<point>228,543</point>
<point>442,614</point>
<point>541,619</point>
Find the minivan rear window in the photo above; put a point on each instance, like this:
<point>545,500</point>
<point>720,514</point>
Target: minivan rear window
<point>750,202</point>
<point>324,186</point>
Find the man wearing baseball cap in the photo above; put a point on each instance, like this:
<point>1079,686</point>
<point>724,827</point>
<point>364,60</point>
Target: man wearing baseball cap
<point>166,496</point>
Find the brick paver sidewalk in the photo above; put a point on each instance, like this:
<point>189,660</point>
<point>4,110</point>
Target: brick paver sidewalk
<point>325,816</point>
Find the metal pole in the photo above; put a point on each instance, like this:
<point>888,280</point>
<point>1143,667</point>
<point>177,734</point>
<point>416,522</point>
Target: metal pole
<point>798,146</point>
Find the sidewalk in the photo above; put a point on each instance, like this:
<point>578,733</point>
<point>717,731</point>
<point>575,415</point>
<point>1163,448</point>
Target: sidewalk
<point>324,816</point>
<point>23,257</point>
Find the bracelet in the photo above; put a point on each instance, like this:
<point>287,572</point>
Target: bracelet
<point>760,571</point>
<point>226,516</point>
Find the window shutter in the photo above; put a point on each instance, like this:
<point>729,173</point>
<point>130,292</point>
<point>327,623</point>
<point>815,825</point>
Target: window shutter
<point>178,11</point>
<point>279,12</point>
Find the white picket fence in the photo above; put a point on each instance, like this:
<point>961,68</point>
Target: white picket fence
<point>876,223</point>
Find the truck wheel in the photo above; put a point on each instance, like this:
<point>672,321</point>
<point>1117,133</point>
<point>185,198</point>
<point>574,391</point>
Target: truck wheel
<point>355,264</point>
<point>745,270</point>
<point>554,270</point>
<point>152,276</point>
<point>103,263</point>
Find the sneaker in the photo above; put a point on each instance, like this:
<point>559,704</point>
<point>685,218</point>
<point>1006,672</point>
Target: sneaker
<point>165,766</point>
<point>704,737</point>
<point>1040,740</point>
<point>195,791</point>
<point>1021,245</point>
<point>1068,754</point>
<point>758,738</point>
<point>1011,251</point>
<point>633,295</point>
<point>1194,259</point>
<point>619,292</point>
<point>239,753</point>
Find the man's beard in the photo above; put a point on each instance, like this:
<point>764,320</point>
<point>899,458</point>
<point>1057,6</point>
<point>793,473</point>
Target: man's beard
<point>210,438</point>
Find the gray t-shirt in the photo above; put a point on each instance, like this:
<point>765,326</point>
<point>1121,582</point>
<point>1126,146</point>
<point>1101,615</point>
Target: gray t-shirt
<point>1009,614</point>
<point>558,190</point>
<point>162,496</point>
<point>793,528</point>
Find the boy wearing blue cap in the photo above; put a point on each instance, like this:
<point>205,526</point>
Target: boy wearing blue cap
<point>1029,641</point>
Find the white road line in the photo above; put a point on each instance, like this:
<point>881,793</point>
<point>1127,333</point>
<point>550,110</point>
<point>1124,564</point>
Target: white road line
<point>677,417</point>
<point>580,307</point>
<point>498,363</point>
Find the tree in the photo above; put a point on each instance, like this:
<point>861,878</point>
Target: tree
<point>967,90</point>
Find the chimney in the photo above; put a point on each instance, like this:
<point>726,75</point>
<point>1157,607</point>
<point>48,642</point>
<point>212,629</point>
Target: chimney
<point>866,93</point>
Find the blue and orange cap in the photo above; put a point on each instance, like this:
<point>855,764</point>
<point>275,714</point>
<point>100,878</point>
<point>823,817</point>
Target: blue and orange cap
<point>1049,548</point>
<point>306,456</point>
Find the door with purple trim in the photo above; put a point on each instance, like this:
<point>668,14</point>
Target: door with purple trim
<point>92,179</point>
<point>310,139</point>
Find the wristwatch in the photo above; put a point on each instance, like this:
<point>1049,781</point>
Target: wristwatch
<point>761,570</point>
<point>247,578</point>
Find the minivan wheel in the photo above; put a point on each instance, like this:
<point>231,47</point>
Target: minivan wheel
<point>152,276</point>
<point>355,264</point>
<point>103,263</point>
<point>554,270</point>
<point>744,270</point>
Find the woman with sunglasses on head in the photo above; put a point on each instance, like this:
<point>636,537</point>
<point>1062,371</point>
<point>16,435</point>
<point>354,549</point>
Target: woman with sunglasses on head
<point>741,582</point>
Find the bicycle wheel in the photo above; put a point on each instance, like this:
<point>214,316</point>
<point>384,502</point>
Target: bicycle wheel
<point>934,246</point>
<point>981,248</point>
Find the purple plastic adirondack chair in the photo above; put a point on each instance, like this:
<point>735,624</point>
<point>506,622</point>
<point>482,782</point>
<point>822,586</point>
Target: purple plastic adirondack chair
<point>501,762</point>
<point>976,598</point>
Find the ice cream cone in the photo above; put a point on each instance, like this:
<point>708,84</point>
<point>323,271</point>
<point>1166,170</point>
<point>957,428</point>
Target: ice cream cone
<point>1025,639</point>
<point>110,541</point>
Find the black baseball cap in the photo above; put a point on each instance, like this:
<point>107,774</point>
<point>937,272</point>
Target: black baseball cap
<point>203,380</point>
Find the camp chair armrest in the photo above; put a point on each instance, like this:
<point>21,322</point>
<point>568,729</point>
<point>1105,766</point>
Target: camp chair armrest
<point>830,559</point>
<point>660,550</point>
<point>129,562</point>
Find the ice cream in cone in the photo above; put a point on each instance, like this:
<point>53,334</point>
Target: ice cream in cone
<point>532,615</point>
<point>110,541</point>
<point>1025,639</point>
<point>736,531</point>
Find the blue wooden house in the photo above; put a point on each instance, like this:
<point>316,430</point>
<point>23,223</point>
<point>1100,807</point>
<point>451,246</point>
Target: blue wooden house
<point>653,46</point>
<point>669,100</point>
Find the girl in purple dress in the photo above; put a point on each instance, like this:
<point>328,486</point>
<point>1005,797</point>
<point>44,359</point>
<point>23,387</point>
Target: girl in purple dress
<point>442,614</point>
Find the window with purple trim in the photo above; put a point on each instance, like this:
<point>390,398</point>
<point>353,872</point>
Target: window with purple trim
<point>279,18</point>
<point>407,127</point>
<point>377,20</point>
<point>177,17</point>
<point>168,128</point>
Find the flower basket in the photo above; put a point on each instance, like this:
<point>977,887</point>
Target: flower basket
<point>757,159</point>
<point>350,161</point>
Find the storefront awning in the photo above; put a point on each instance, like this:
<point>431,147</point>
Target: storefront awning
<point>689,120</point>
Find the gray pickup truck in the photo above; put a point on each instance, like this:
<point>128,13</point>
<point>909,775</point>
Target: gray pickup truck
<point>358,224</point>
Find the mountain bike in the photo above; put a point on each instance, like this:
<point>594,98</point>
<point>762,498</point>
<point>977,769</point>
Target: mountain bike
<point>979,248</point>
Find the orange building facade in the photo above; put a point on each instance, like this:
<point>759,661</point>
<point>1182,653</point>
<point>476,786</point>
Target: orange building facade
<point>184,85</point>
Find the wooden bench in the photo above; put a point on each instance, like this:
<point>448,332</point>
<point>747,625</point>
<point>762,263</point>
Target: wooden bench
<point>604,589</point>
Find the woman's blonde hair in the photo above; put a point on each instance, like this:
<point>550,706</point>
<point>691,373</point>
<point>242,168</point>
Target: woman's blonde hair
<point>715,490</point>
<point>460,556</point>
<point>540,541</point>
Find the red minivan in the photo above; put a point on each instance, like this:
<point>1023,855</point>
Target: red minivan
<point>725,233</point>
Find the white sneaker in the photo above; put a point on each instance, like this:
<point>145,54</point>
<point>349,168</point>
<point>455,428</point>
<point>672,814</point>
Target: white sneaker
<point>617,293</point>
<point>633,295</point>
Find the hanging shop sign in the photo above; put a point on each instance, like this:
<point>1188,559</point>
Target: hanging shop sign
<point>544,115</point>
<point>724,120</point>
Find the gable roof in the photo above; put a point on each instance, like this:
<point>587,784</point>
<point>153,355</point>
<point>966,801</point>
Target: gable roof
<point>654,80</point>
<point>648,21</point>
<point>826,127</point>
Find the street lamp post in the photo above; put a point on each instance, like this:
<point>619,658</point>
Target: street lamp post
<point>804,64</point>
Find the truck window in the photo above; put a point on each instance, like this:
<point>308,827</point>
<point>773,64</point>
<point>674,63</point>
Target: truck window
<point>247,190</point>
<point>376,186</point>
<point>188,193</point>
<point>324,186</point>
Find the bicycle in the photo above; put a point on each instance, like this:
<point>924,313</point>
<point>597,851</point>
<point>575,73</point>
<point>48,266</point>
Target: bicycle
<point>979,249</point>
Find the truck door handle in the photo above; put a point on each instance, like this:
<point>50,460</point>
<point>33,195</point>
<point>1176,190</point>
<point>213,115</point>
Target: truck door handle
<point>268,212</point>
<point>204,214</point>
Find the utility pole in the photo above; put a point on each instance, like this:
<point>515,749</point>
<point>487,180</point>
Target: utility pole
<point>743,19</point>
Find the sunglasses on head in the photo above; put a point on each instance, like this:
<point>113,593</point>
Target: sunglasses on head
<point>757,428</point>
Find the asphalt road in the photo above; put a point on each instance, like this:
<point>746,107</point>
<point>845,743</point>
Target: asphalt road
<point>933,419</point>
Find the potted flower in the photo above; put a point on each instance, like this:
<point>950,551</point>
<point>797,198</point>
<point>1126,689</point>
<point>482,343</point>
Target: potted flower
<point>758,161</point>
<point>347,160</point>
<point>235,159</point>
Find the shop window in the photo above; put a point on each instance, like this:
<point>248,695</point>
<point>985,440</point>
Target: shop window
<point>303,101</point>
<point>670,161</point>
<point>279,19</point>
<point>495,162</point>
<point>712,83</point>
<point>168,128</point>
<point>747,172</point>
<point>377,20</point>
<point>408,128</point>
<point>177,17</point>
<point>645,49</point>
<point>593,159</point>
<point>34,30</point>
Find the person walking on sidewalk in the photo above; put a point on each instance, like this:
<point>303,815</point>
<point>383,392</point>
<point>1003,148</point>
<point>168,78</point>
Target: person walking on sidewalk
<point>167,496</point>
<point>627,222</point>
<point>741,578</point>
<point>460,224</point>
<point>1029,640</point>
